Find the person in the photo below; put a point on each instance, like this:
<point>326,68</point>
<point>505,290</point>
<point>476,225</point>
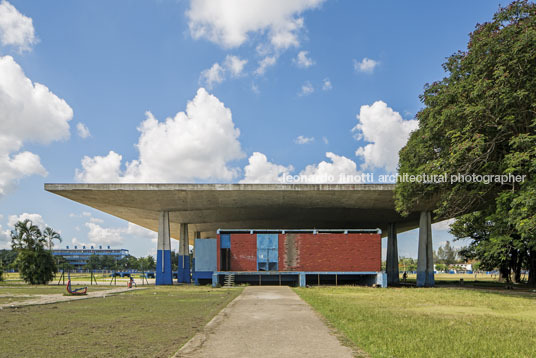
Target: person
<point>131,282</point>
<point>404,276</point>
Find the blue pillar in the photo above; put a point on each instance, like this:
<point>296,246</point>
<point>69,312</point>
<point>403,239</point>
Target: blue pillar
<point>302,280</point>
<point>163,255</point>
<point>183,274</point>
<point>425,263</point>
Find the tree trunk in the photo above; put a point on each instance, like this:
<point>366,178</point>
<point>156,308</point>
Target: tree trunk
<point>532,267</point>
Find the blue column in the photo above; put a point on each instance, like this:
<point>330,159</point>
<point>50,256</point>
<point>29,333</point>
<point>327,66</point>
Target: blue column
<point>163,255</point>
<point>302,280</point>
<point>183,274</point>
<point>425,263</point>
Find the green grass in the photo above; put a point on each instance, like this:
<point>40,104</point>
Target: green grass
<point>154,322</point>
<point>440,322</point>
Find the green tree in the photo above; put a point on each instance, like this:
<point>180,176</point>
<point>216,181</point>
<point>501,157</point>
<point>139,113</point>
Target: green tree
<point>94,263</point>
<point>35,264</point>
<point>50,235</point>
<point>481,119</point>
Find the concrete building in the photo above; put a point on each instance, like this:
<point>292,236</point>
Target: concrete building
<point>203,211</point>
<point>79,256</point>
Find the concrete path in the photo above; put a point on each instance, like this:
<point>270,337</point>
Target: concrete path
<point>266,321</point>
<point>59,297</point>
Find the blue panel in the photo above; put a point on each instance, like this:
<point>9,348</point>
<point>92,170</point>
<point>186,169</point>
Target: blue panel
<point>267,255</point>
<point>163,268</point>
<point>183,274</point>
<point>225,241</point>
<point>206,255</point>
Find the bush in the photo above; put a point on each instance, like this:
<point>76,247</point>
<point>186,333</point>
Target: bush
<point>36,267</point>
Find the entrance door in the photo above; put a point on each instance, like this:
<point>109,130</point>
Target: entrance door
<point>267,256</point>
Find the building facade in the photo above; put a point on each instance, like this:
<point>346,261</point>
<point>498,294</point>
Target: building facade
<point>79,256</point>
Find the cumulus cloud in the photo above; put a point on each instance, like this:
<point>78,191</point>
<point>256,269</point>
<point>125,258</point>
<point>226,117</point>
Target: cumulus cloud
<point>264,64</point>
<point>306,89</point>
<point>99,235</point>
<point>82,130</point>
<point>303,140</point>
<point>15,29</point>
<point>260,170</point>
<point>5,238</point>
<point>196,144</point>
<point>36,219</point>
<point>29,112</point>
<point>386,132</point>
<point>366,65</point>
<point>326,84</point>
<point>212,76</point>
<point>229,23</point>
<point>302,60</point>
<point>233,65</point>
<point>339,169</point>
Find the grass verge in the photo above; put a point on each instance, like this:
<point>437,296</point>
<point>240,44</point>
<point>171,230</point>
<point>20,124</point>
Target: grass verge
<point>441,322</point>
<point>146,323</point>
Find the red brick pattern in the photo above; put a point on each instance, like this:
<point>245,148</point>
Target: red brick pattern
<point>243,252</point>
<point>330,252</point>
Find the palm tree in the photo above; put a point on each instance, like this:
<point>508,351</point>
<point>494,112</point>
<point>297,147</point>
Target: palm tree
<point>26,235</point>
<point>50,235</point>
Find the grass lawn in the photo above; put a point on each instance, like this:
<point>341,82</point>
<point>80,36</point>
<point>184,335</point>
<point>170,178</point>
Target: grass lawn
<point>154,322</point>
<point>440,322</point>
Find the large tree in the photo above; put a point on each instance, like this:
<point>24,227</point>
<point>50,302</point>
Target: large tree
<point>35,264</point>
<point>481,119</point>
<point>50,235</point>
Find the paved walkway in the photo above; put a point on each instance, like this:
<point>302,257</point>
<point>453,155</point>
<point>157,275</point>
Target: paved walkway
<point>266,321</point>
<point>59,297</point>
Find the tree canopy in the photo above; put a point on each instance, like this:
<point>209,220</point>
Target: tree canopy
<point>481,120</point>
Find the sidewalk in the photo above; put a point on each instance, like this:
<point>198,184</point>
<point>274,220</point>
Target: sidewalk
<point>266,321</point>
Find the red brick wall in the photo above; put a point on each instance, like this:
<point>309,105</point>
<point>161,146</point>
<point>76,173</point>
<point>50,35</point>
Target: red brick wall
<point>243,252</point>
<point>330,252</point>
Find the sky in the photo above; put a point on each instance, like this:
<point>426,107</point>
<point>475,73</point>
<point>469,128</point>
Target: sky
<point>201,91</point>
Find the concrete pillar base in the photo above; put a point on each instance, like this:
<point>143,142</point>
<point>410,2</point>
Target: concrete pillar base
<point>425,263</point>
<point>164,275</point>
<point>393,278</point>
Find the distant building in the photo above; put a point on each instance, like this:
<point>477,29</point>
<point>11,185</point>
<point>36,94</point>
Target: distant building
<point>78,257</point>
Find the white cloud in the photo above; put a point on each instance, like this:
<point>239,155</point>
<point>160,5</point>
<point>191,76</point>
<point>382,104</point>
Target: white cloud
<point>82,130</point>
<point>306,89</point>
<point>302,60</point>
<point>325,140</point>
<point>255,88</point>
<point>235,65</point>
<point>99,235</point>
<point>443,225</point>
<point>303,140</point>
<point>36,219</point>
<point>5,238</point>
<point>217,73</point>
<point>212,76</point>
<point>326,84</point>
<point>266,62</point>
<point>387,133</point>
<point>260,170</point>
<point>96,220</point>
<point>15,29</point>
<point>366,65</point>
<point>198,143</point>
<point>29,112</point>
<point>339,165</point>
<point>229,23</point>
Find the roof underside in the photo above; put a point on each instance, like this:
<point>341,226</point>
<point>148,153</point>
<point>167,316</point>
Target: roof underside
<point>209,207</point>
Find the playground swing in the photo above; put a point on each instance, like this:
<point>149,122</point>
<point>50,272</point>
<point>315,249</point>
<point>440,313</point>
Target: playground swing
<point>76,292</point>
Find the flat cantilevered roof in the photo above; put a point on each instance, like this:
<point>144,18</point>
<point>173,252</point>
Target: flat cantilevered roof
<point>209,207</point>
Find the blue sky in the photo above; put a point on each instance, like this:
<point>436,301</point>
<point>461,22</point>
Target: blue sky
<point>338,93</point>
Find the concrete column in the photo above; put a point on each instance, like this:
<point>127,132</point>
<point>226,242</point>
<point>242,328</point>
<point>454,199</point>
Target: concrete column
<point>392,256</point>
<point>425,263</point>
<point>183,274</point>
<point>302,280</point>
<point>163,256</point>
